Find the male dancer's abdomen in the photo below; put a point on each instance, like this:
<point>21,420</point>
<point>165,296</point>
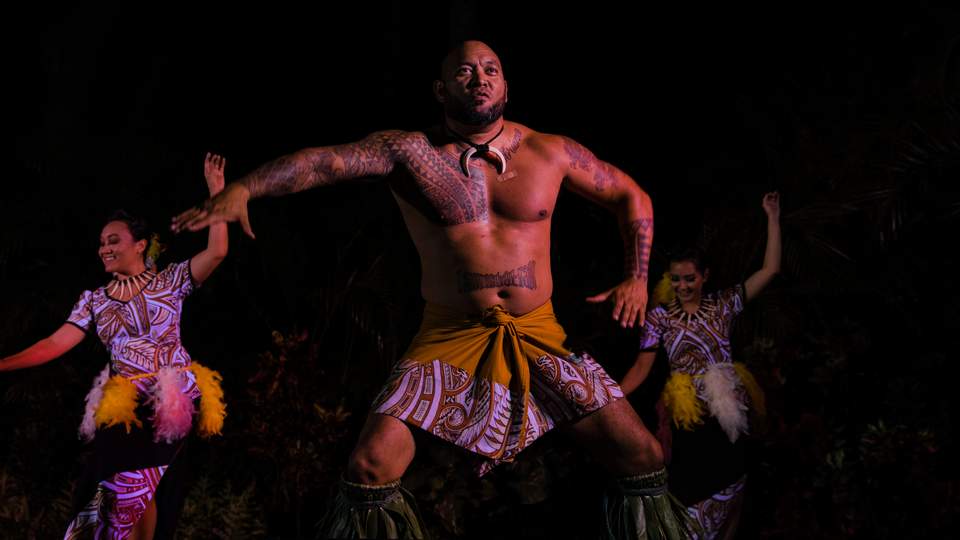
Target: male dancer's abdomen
<point>482,265</point>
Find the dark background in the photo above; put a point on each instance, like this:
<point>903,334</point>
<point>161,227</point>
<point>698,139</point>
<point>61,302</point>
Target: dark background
<point>851,113</point>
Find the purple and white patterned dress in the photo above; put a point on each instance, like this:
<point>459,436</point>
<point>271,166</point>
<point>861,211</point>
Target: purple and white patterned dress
<point>142,336</point>
<point>707,472</point>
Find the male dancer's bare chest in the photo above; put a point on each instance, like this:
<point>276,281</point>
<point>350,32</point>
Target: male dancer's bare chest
<point>437,185</point>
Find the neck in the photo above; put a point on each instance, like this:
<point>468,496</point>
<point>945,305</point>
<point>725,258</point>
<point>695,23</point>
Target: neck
<point>477,134</point>
<point>139,269</point>
<point>692,305</point>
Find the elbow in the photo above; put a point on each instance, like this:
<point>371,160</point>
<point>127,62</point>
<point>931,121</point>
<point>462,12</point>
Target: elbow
<point>642,201</point>
<point>636,201</point>
<point>769,272</point>
<point>646,203</point>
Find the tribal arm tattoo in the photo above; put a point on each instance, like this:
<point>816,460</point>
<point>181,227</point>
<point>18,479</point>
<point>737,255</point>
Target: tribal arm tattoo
<point>585,168</point>
<point>523,276</point>
<point>609,186</point>
<point>637,241</point>
<point>373,156</point>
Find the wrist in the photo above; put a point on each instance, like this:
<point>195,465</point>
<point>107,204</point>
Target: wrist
<point>242,188</point>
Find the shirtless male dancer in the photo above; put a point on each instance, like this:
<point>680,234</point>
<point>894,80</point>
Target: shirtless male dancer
<point>487,370</point>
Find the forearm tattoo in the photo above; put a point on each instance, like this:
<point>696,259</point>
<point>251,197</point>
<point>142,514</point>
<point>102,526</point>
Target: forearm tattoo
<point>604,174</point>
<point>373,156</point>
<point>524,276</point>
<point>638,236</point>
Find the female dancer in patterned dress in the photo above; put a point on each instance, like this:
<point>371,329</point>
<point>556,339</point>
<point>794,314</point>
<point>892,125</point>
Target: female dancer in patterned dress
<point>137,317</point>
<point>707,394</point>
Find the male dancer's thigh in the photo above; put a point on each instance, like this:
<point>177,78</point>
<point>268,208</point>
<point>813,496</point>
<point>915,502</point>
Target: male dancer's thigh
<point>616,437</point>
<point>383,452</point>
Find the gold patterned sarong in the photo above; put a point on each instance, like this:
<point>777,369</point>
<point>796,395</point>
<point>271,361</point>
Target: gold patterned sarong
<point>495,383</point>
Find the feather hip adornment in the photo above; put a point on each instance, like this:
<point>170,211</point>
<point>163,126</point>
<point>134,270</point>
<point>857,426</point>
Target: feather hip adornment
<point>172,409</point>
<point>88,427</point>
<point>680,397</point>
<point>720,393</point>
<point>212,408</point>
<point>757,398</point>
<point>118,404</point>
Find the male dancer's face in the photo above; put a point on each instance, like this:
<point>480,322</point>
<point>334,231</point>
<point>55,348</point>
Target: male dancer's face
<point>473,90</point>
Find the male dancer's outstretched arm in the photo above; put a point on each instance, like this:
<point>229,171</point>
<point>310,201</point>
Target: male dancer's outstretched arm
<point>373,156</point>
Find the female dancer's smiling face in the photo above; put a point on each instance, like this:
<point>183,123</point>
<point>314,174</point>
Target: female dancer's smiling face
<point>687,281</point>
<point>120,253</point>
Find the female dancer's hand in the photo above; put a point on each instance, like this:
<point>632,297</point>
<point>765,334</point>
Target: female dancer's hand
<point>213,167</point>
<point>203,264</point>
<point>771,256</point>
<point>771,205</point>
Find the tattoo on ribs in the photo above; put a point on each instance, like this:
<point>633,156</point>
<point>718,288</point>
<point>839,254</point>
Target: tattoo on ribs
<point>637,243</point>
<point>524,276</point>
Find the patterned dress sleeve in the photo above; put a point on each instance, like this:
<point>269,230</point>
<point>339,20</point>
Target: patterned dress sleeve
<point>652,329</point>
<point>82,314</point>
<point>731,301</point>
<point>177,278</point>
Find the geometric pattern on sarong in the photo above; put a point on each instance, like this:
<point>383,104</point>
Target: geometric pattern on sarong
<point>117,505</point>
<point>482,416</point>
<point>712,513</point>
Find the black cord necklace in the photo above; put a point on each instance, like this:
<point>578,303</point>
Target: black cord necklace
<point>481,149</point>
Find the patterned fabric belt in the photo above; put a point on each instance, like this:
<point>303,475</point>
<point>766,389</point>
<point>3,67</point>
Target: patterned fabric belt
<point>153,374</point>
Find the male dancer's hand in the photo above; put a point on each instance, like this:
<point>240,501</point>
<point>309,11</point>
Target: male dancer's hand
<point>229,205</point>
<point>629,301</point>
